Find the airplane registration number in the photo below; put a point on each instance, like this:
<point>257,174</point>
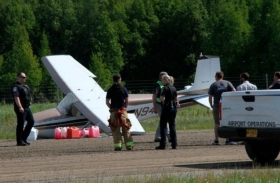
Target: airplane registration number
<point>143,111</point>
<point>251,133</point>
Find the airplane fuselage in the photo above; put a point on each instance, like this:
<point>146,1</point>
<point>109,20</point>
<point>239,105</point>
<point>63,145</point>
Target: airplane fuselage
<point>143,111</point>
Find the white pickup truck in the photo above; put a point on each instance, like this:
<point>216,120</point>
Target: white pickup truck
<point>253,117</point>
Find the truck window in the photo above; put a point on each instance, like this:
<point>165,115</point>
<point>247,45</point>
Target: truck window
<point>249,98</point>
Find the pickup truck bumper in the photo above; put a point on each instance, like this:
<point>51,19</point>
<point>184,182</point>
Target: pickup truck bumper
<point>240,134</point>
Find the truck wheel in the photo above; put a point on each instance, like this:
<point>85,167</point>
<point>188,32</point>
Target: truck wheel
<point>262,152</point>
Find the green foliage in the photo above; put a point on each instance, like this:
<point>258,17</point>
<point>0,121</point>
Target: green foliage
<point>45,50</point>
<point>16,50</point>
<point>98,67</point>
<point>1,61</point>
<point>229,33</point>
<point>138,38</point>
<point>24,60</point>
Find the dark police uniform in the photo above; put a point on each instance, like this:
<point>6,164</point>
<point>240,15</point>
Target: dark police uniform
<point>157,90</point>
<point>168,115</point>
<point>23,92</point>
<point>118,118</point>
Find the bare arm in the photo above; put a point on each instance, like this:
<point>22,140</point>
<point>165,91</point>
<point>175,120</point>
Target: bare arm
<point>155,103</point>
<point>210,100</point>
<point>154,100</point>
<point>177,103</point>
<point>126,102</point>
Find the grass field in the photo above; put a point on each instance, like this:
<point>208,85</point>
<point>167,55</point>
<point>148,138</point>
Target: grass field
<point>196,117</point>
<point>263,175</point>
<point>192,118</point>
<point>8,118</point>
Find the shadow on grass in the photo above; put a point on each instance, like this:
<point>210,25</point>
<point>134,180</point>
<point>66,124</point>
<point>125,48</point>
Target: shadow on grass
<point>229,165</point>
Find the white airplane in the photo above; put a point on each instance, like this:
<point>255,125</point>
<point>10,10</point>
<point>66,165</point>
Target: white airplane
<point>84,104</point>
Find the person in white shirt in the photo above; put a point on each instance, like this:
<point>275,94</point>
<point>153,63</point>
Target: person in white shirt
<point>246,85</point>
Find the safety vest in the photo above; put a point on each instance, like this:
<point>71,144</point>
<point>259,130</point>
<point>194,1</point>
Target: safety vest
<point>158,94</point>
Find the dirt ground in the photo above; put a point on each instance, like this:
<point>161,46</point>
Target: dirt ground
<point>93,159</point>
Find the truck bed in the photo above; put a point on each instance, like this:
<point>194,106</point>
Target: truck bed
<point>251,114</point>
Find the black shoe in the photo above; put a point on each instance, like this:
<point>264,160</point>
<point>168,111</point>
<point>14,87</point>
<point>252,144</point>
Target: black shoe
<point>26,142</point>
<point>174,147</point>
<point>21,144</point>
<point>215,142</point>
<point>160,148</point>
<point>157,140</point>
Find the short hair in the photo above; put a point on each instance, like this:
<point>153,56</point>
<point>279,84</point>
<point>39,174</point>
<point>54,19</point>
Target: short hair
<point>162,73</point>
<point>277,74</point>
<point>116,77</point>
<point>245,75</point>
<point>219,74</point>
<point>166,77</point>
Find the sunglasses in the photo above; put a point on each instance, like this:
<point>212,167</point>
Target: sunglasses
<point>22,77</point>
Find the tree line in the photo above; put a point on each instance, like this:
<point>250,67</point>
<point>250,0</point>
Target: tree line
<point>138,38</point>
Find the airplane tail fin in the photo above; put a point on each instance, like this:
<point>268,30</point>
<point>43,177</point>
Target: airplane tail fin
<point>206,68</point>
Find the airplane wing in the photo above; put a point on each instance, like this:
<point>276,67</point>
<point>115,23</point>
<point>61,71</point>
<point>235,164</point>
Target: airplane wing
<point>203,101</point>
<point>189,100</point>
<point>71,76</point>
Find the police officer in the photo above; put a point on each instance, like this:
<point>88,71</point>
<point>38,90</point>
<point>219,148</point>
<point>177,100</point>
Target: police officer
<point>22,100</point>
<point>118,96</point>
<point>157,104</point>
<point>170,104</point>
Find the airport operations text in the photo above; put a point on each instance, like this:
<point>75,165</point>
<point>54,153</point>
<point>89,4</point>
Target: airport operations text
<point>252,124</point>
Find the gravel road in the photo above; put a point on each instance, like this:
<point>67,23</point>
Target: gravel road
<point>93,159</point>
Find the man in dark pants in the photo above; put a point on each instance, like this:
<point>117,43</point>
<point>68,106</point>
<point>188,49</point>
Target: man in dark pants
<point>169,110</point>
<point>117,101</point>
<point>22,100</point>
